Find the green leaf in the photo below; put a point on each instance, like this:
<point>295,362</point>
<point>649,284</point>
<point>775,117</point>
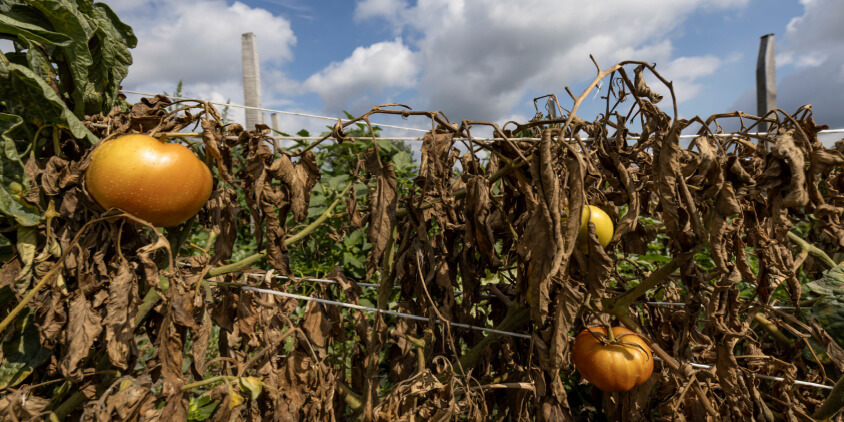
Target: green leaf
<point>402,160</point>
<point>20,22</point>
<point>23,353</point>
<point>200,409</point>
<point>652,257</point>
<point>829,308</point>
<point>111,42</point>
<point>251,384</point>
<point>13,179</point>
<point>832,278</point>
<point>28,96</point>
<point>338,182</point>
<point>829,311</point>
<point>66,18</point>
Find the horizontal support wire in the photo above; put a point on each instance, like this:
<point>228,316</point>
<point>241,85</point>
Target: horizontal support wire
<point>276,111</point>
<point>466,326</point>
<point>458,292</point>
<point>410,138</point>
<point>380,311</point>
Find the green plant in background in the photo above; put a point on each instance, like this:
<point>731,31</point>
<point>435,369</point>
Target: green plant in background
<point>322,251</point>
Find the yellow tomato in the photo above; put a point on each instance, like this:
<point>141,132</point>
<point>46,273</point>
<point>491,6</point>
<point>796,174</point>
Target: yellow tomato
<point>603,226</point>
<point>162,183</point>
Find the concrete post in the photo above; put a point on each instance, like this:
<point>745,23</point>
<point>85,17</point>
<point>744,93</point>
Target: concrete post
<point>251,79</point>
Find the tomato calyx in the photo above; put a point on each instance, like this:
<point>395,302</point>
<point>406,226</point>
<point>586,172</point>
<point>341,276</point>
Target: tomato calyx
<point>610,339</point>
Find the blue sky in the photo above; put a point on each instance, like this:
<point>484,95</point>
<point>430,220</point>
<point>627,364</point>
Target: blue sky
<point>486,59</point>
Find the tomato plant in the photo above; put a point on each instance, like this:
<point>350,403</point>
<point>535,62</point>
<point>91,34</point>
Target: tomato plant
<point>163,183</point>
<point>613,363</point>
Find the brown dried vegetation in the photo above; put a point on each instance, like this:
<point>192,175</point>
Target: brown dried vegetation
<point>482,238</point>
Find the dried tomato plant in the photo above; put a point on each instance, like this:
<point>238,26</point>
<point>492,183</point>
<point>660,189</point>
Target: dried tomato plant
<point>106,318</point>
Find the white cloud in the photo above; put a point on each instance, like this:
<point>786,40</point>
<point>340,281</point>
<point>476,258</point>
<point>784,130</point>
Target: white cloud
<point>199,42</point>
<point>387,9</point>
<point>368,71</point>
<point>684,73</point>
<point>480,58</point>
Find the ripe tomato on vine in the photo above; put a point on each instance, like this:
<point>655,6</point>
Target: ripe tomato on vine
<point>614,363</point>
<point>162,183</point>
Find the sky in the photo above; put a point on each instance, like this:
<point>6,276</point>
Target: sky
<point>483,59</point>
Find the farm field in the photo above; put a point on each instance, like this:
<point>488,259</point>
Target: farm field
<point>159,261</point>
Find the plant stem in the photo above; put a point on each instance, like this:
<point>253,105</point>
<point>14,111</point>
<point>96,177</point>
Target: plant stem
<point>610,334</point>
<point>245,262</point>
<point>150,300</point>
<point>833,403</point>
<point>75,400</point>
<point>516,317</point>
<point>772,329</point>
<point>815,252</point>
<point>353,400</point>
<point>619,304</point>
<point>211,380</point>
<point>239,265</point>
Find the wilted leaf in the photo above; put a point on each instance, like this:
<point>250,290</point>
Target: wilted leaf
<point>383,205</point>
<point>83,329</point>
<point>252,385</point>
<point>121,308</point>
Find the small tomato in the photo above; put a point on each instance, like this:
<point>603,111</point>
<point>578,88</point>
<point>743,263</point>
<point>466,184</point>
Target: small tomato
<point>603,226</point>
<point>612,366</point>
<point>162,183</point>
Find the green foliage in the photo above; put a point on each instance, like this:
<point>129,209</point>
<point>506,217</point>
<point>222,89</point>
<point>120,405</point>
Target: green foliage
<point>14,182</point>
<point>829,308</point>
<point>79,47</point>
<point>201,408</point>
<point>23,353</point>
<point>69,60</point>
<point>320,253</point>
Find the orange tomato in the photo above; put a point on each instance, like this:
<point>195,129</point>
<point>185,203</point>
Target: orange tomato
<point>162,183</point>
<point>614,367</point>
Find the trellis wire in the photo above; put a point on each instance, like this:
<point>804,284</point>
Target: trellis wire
<point>381,311</point>
<point>408,139</point>
<point>471,327</point>
<point>458,292</point>
<point>275,111</point>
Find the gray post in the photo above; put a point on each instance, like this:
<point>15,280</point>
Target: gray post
<point>275,121</point>
<point>766,81</point>
<point>251,79</point>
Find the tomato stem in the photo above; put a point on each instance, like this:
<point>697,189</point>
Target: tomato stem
<point>813,251</point>
<point>610,335</point>
<point>833,403</point>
